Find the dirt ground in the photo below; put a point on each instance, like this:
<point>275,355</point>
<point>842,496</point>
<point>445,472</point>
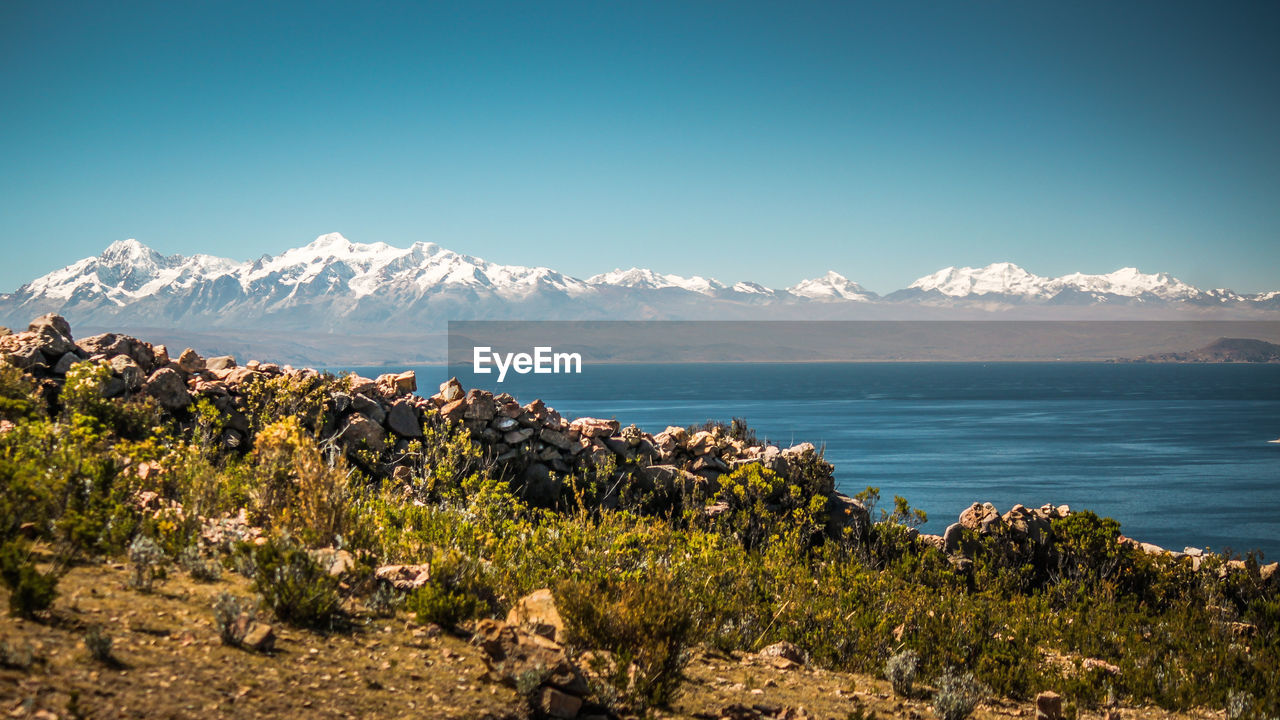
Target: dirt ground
<point>169,663</point>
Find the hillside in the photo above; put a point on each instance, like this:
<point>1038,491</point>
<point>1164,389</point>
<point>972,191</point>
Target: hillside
<point>1223,350</point>
<point>186,535</point>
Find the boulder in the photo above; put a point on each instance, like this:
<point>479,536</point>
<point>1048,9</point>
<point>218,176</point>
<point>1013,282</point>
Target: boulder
<point>537,613</point>
<point>513,654</point>
<point>168,389</point>
<point>403,420</point>
<point>128,370</point>
<point>559,704</point>
<point>360,432</point>
<point>63,366</point>
<point>702,443</point>
<point>455,411</point>
<point>51,321</point>
<point>595,427</point>
<point>555,438</point>
<point>369,407</point>
<point>260,637</point>
<point>220,362</point>
<point>784,650</point>
<point>450,391</point>
<point>190,361</point>
<point>1048,706</point>
<point>405,578</point>
<point>846,512</point>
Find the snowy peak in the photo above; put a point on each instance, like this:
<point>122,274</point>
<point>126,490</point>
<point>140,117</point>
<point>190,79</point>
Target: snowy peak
<point>1002,278</point>
<point>640,278</point>
<point>1129,282</point>
<point>831,287</point>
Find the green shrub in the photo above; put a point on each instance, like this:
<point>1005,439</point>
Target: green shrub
<point>30,591</point>
<point>646,624</point>
<point>98,642</point>
<point>457,591</point>
<point>18,398</point>
<point>900,671</point>
<point>295,488</point>
<point>956,696</point>
<point>293,585</point>
<point>146,563</point>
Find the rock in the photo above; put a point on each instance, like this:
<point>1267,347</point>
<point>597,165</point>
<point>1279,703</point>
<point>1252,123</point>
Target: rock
<point>1268,571</point>
<point>406,382</point>
<point>369,407</point>
<point>846,512</point>
<point>162,355</point>
<point>190,361</point>
<point>51,321</point>
<point>515,437</point>
<point>951,537</point>
<point>65,362</point>
<point>260,637</point>
<point>359,431</point>
<point>402,474</point>
<point>479,406</point>
<point>556,438</point>
<point>537,613</point>
<point>594,427</point>
<point>632,435</point>
<point>128,370</point>
<point>167,387</point>
<point>671,439</point>
<point>934,541</point>
<point>454,411</point>
<point>25,357</point>
<point>220,362</point>
<point>1048,706</point>
<point>51,343</point>
<point>360,384</point>
<point>976,514</point>
<point>558,704</point>
<point>450,391</point>
<point>334,561</point>
<point>403,420</point>
<point>512,653</point>
<point>504,424</point>
<point>702,443</point>
<point>405,578</point>
<point>785,650</point>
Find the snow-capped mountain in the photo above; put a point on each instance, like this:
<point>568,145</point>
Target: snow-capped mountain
<point>831,287</point>
<point>333,284</point>
<point>1009,284</point>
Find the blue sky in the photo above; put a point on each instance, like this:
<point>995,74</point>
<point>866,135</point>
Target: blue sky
<point>763,141</point>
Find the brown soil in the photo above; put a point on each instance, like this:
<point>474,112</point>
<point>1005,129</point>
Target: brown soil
<point>169,663</point>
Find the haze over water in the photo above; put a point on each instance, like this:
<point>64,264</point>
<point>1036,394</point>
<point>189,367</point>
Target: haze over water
<point>1179,454</point>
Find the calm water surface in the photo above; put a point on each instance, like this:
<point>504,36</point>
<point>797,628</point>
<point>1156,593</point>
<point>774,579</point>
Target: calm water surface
<point>1177,453</point>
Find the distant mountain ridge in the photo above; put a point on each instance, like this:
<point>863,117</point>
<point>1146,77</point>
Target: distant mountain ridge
<point>1223,350</point>
<point>335,285</point>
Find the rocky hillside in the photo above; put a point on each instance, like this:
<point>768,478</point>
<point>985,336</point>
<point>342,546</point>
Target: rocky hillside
<point>278,538</point>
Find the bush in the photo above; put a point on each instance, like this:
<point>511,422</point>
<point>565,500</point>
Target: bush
<point>200,568</point>
<point>98,643</point>
<point>146,560</point>
<point>231,618</point>
<point>900,671</point>
<point>30,591</point>
<point>645,623</point>
<point>957,695</point>
<point>456,592</point>
<point>295,488</point>
<point>293,585</point>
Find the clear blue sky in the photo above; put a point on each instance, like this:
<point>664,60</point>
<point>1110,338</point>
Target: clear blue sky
<point>765,141</point>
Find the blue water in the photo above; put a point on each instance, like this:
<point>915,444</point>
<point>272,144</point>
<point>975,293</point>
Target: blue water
<point>1177,453</point>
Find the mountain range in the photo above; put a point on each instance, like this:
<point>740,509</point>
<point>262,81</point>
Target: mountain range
<point>334,285</point>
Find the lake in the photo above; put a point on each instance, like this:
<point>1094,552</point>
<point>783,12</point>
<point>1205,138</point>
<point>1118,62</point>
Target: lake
<point>1179,454</point>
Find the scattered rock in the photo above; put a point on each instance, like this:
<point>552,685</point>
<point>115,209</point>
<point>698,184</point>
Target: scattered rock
<point>1049,706</point>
